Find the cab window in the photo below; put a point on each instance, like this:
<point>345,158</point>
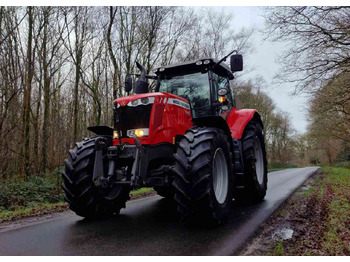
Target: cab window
<point>222,82</point>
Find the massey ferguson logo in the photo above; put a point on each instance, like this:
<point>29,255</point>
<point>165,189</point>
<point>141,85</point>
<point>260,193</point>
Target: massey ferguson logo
<point>162,100</point>
<point>122,103</point>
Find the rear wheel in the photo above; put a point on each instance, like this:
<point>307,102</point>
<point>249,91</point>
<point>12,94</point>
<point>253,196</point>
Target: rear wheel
<point>84,198</point>
<point>203,174</point>
<point>255,165</point>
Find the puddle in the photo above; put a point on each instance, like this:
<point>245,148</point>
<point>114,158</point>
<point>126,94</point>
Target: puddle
<point>282,233</point>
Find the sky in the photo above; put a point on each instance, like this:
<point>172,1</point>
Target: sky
<point>263,61</point>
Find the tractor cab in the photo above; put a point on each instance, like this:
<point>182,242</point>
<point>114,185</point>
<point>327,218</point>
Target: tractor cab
<point>204,83</point>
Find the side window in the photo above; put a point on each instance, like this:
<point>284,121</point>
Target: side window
<point>222,82</point>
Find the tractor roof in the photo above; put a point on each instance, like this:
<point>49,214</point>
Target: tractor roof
<point>192,66</point>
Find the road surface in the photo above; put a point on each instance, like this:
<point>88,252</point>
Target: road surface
<point>151,226</point>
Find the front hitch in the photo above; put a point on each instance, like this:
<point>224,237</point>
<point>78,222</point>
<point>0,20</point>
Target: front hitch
<point>98,175</point>
<point>136,165</point>
<point>103,177</point>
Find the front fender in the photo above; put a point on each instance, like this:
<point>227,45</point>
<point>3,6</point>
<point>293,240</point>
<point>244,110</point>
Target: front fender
<point>101,130</point>
<point>238,119</point>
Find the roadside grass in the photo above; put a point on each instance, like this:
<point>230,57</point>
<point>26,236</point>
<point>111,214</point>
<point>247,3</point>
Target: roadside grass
<point>39,195</point>
<point>325,229</point>
<point>278,249</point>
<point>141,192</point>
<point>277,167</point>
<point>35,210</point>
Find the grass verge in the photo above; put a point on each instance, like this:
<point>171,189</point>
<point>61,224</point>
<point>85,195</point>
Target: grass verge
<point>277,167</point>
<point>38,196</point>
<point>35,210</point>
<point>319,215</point>
<point>46,208</point>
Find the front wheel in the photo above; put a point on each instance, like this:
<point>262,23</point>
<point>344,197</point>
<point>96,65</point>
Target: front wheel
<point>83,197</point>
<point>203,175</point>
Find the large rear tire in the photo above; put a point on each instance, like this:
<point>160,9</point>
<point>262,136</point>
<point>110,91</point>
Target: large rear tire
<point>203,175</point>
<point>255,165</point>
<point>83,197</point>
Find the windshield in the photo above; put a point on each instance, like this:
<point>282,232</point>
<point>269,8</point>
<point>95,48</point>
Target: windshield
<point>193,87</point>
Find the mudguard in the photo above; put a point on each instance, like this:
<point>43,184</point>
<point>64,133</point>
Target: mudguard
<point>101,130</point>
<point>238,119</point>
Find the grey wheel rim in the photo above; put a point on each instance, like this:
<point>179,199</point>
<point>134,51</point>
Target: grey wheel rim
<point>220,176</point>
<point>259,164</point>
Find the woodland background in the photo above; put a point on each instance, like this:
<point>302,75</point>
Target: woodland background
<point>61,68</point>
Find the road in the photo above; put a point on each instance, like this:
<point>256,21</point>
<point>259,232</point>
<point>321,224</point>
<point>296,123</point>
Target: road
<point>151,226</point>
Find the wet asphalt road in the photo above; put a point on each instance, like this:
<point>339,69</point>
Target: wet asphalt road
<point>151,227</point>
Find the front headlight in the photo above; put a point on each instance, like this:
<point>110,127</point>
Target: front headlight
<point>142,101</point>
<point>138,132</point>
<point>115,135</point>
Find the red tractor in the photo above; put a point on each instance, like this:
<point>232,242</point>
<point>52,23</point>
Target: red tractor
<point>186,140</point>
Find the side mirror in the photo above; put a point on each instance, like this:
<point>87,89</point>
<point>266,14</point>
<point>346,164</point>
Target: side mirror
<point>128,84</point>
<point>236,63</point>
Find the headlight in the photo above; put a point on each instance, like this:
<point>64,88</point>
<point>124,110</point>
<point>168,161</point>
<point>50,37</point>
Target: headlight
<point>138,132</point>
<point>144,100</point>
<point>115,135</point>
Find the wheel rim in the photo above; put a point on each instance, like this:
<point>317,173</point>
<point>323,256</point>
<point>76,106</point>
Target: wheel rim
<point>259,164</point>
<point>220,176</point>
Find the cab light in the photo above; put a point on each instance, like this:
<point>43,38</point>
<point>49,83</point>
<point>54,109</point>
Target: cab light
<point>222,99</point>
<point>115,135</point>
<point>206,62</point>
<point>139,132</point>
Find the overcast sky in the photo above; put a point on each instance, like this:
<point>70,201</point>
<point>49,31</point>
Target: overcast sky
<point>264,62</point>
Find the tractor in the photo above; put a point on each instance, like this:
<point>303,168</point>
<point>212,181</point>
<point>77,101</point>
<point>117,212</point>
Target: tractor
<point>187,140</point>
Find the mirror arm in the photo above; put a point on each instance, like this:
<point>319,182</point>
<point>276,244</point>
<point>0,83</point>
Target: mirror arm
<point>147,76</point>
<point>224,58</point>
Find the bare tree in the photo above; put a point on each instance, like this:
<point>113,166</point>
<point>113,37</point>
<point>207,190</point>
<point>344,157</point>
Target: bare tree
<point>27,92</point>
<point>319,43</point>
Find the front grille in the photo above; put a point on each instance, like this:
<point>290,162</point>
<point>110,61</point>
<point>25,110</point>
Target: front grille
<point>132,118</point>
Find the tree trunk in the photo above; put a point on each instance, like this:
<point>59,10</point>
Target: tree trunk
<point>110,50</point>
<point>27,93</point>
<point>46,94</point>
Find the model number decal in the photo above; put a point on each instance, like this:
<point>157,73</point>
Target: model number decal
<point>178,102</point>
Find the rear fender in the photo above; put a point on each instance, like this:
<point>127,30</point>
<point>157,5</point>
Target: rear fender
<point>238,120</point>
<point>214,121</point>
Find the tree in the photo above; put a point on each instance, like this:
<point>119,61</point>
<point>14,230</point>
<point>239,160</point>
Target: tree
<point>319,43</point>
<point>28,91</point>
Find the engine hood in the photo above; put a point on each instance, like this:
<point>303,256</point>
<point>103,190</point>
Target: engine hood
<point>124,101</point>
